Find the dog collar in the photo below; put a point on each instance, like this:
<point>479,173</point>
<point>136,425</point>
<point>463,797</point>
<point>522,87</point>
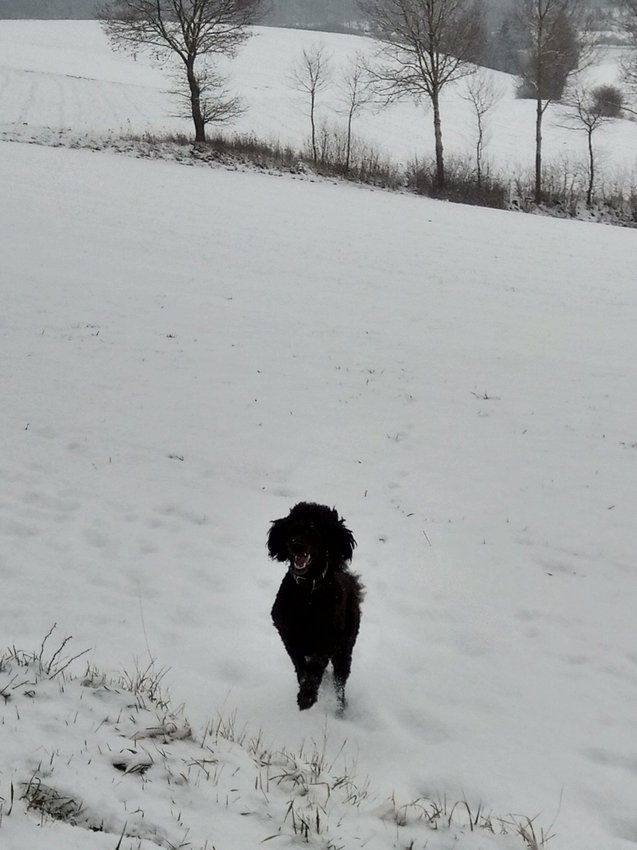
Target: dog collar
<point>315,582</point>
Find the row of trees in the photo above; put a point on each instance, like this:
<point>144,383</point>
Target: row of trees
<point>630,25</point>
<point>331,15</point>
<point>424,45</point>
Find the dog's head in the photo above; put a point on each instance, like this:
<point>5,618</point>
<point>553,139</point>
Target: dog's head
<point>311,538</point>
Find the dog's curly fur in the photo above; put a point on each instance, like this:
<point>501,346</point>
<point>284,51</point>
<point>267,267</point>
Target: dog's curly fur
<point>318,606</point>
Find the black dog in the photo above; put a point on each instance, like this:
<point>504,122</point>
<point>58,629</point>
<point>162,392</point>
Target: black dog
<point>317,608</point>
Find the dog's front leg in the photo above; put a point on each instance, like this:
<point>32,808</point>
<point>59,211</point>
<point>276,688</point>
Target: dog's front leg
<point>297,658</point>
<point>310,682</point>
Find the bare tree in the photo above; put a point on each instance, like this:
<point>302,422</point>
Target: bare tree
<point>217,104</point>
<point>356,93</point>
<point>629,20</point>
<point>426,44</point>
<point>558,44</point>
<point>187,29</point>
<point>587,114</point>
<point>310,75</point>
<point>482,93</point>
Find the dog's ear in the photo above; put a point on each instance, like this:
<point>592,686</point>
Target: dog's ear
<point>277,540</point>
<point>340,540</point>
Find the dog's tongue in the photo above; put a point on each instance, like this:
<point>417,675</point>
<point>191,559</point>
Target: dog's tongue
<point>301,562</point>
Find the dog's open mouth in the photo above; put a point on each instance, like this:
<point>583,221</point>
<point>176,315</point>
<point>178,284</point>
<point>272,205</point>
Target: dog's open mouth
<point>301,562</point>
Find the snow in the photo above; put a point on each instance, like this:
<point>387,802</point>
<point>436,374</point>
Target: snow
<point>187,352</point>
<point>61,80</point>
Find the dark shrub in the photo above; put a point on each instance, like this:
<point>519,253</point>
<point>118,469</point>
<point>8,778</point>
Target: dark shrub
<point>461,184</point>
<point>608,101</point>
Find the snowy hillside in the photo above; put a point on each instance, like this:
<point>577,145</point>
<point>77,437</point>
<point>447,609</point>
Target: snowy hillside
<point>187,352</point>
<point>61,79</point>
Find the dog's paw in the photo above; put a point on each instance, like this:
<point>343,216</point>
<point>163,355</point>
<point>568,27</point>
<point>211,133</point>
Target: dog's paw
<point>307,696</point>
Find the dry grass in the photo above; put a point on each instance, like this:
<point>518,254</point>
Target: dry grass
<point>308,796</point>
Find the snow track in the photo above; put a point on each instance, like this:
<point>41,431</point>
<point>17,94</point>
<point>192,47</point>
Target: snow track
<point>33,99</point>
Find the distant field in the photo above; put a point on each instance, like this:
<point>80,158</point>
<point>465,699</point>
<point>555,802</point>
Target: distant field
<point>63,77</point>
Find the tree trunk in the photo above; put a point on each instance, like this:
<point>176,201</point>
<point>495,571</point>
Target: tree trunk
<point>479,149</point>
<point>591,169</point>
<point>348,147</point>
<point>195,102</point>
<point>538,150</point>
<point>313,124</point>
<point>440,162</point>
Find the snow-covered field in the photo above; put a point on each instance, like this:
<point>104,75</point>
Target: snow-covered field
<point>60,80</point>
<point>186,352</point>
